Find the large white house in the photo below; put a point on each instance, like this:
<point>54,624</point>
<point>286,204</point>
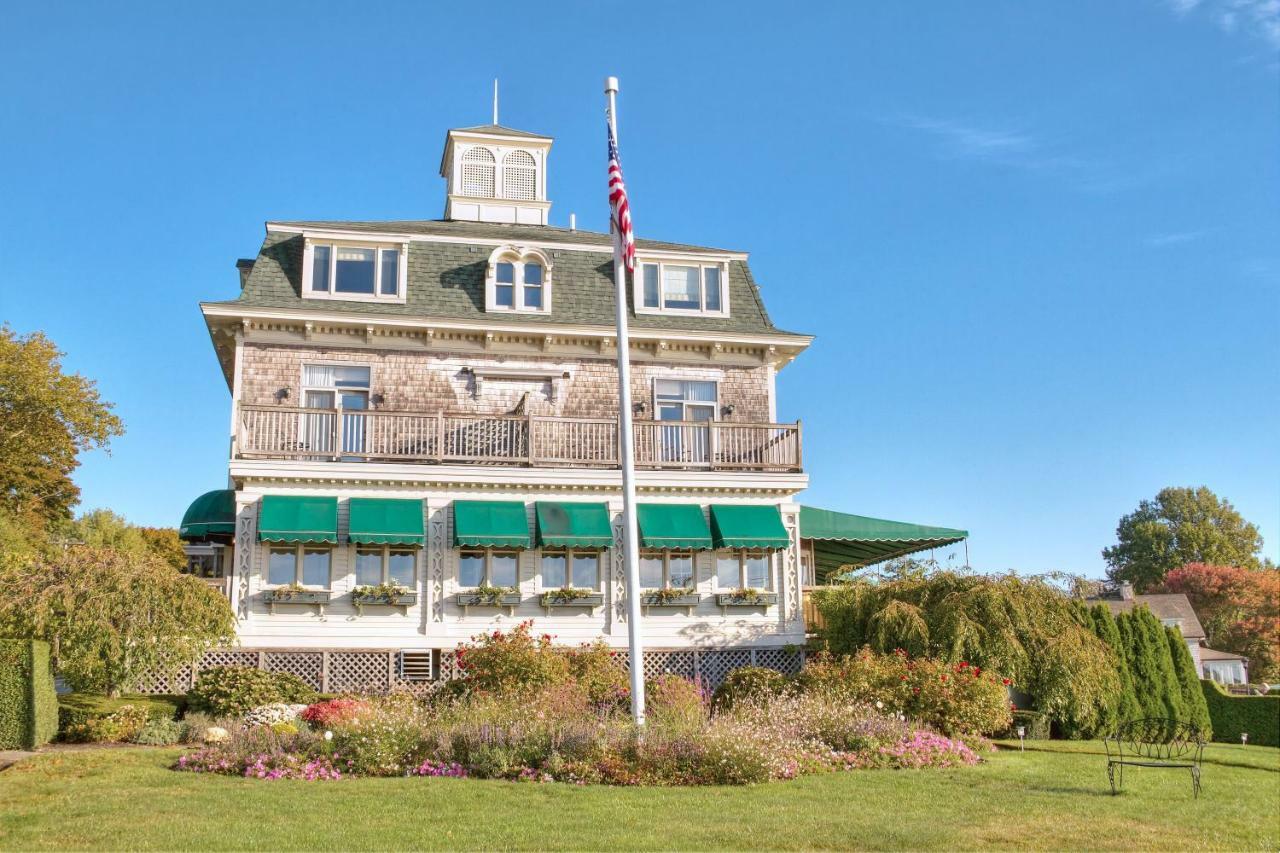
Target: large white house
<point>424,443</point>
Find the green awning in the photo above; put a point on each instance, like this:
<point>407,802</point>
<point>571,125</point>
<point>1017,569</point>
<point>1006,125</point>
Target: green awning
<point>211,517</point>
<point>490,524</point>
<point>385,521</point>
<point>747,526</point>
<point>841,540</point>
<point>297,518</point>
<point>573,525</point>
<point>673,526</point>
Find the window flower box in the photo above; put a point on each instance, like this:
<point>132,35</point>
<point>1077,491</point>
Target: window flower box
<point>493,596</point>
<point>384,595</point>
<point>670,598</point>
<point>746,598</point>
<point>571,598</point>
<point>317,598</point>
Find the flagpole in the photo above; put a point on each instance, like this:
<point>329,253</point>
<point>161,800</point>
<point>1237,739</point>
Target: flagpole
<point>630,543</point>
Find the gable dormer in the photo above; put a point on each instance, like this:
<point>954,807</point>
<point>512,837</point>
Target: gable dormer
<point>496,174</point>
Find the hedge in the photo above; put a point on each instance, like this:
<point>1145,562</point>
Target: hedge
<point>28,701</point>
<point>1258,716</point>
<point>78,708</point>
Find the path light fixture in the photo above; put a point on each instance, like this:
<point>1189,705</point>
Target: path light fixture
<point>1022,733</point>
<point>1244,738</point>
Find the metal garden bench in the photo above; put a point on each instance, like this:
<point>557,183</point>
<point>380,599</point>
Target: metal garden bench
<point>1154,742</point>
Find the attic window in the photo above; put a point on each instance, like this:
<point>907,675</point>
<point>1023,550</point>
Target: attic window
<point>671,287</point>
<point>518,279</point>
<point>369,272</point>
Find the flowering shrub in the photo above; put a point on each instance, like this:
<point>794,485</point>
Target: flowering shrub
<point>593,668</point>
<point>265,765</point>
<point>332,712</point>
<point>748,683</point>
<point>439,768</point>
<point>953,699</point>
<point>512,662</point>
<point>269,715</point>
<point>926,749</point>
<point>120,726</point>
<point>675,702</point>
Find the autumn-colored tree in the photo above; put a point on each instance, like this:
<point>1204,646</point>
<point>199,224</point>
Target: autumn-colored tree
<point>47,419</point>
<point>1182,525</point>
<point>1239,609</point>
<point>112,615</point>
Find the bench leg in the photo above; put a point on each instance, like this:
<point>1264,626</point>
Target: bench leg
<point>1195,782</point>
<point>1111,777</point>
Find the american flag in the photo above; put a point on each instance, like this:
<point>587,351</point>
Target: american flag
<point>619,209</point>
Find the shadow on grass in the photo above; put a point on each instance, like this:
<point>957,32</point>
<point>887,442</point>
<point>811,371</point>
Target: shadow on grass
<point>1209,757</point>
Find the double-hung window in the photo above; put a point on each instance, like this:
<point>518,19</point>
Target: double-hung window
<point>307,565</point>
<point>685,400</point>
<point>666,570</point>
<point>488,567</point>
<point>518,285</point>
<point>376,565</point>
<point>572,568</point>
<point>365,272</point>
<point>681,288</point>
<point>743,569</point>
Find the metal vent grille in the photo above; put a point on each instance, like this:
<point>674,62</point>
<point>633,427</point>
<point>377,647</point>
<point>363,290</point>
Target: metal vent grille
<point>519,176</point>
<point>415,666</point>
<point>477,173</point>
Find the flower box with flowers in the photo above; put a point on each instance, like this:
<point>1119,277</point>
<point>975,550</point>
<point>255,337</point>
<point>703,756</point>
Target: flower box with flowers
<point>385,595</point>
<point>685,598</point>
<point>296,594</point>
<point>746,598</point>
<point>570,597</point>
<point>489,596</point>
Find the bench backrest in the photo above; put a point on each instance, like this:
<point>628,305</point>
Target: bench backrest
<point>1158,739</point>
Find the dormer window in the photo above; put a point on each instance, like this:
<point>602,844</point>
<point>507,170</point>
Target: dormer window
<point>519,279</point>
<point>366,272</point>
<point>673,287</point>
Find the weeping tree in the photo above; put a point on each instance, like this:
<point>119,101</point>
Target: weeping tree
<point>1025,628</point>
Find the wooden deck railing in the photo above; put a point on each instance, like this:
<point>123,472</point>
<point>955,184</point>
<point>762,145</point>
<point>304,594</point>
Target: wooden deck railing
<point>282,432</point>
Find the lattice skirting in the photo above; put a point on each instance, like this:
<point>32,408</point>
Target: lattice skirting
<point>377,671</point>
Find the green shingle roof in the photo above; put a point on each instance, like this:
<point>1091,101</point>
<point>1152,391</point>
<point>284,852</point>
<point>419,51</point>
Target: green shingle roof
<point>446,280</point>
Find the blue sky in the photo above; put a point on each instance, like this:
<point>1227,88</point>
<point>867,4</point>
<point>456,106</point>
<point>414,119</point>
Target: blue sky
<point>1036,242</point>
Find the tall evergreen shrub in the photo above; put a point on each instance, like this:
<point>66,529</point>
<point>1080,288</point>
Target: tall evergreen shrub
<point>1125,705</point>
<point>1194,706</point>
<point>28,703</point>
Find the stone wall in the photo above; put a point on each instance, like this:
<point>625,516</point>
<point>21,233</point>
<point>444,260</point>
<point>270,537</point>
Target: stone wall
<point>428,382</point>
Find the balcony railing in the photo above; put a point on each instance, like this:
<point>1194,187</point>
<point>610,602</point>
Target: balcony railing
<point>280,432</point>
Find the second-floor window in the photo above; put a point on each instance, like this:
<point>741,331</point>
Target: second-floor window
<point>742,570</point>
<point>518,280</point>
<point>573,568</point>
<point>378,565</point>
<point>666,570</point>
<point>370,272</point>
<point>488,567</point>
<point>681,288</point>
<point>302,564</point>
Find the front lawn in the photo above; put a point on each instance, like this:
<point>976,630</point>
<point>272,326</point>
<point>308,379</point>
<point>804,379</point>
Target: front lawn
<point>1053,796</point>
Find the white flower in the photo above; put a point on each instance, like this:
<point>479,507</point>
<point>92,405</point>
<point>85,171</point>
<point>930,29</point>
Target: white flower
<point>879,705</point>
<point>328,735</point>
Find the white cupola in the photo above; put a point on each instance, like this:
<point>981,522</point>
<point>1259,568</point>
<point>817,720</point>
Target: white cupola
<point>496,174</point>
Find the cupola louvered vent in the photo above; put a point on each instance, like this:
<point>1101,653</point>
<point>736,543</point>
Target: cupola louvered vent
<point>415,666</point>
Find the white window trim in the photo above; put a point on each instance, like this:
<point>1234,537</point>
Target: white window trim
<point>518,256</point>
<point>741,554</point>
<point>298,549</point>
<point>637,286</point>
<point>402,270</point>
<point>654,402</point>
<point>386,562</point>
<point>487,580</point>
<point>303,387</point>
<point>568,568</point>
<point>666,566</point>
<point>499,153</point>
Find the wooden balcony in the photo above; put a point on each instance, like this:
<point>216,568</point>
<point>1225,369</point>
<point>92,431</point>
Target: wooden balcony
<point>280,432</point>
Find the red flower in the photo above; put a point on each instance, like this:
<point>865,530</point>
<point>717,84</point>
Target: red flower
<point>977,670</point>
<point>1005,682</point>
<point>915,689</point>
<point>944,678</point>
<point>902,677</point>
<point>963,664</point>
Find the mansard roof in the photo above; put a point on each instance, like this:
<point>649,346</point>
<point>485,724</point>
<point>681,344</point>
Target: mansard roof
<point>446,279</point>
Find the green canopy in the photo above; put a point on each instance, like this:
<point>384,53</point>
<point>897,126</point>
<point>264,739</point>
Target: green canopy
<point>385,521</point>
<point>211,517</point>
<point>298,518</point>
<point>748,526</point>
<point>573,525</point>
<point>673,526</point>
<point>490,524</point>
<point>843,540</point>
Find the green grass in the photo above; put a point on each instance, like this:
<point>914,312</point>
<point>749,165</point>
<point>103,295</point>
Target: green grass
<point>1053,796</point>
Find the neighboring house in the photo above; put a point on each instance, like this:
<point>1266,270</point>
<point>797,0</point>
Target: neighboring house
<point>1175,610</point>
<point>433,405</point>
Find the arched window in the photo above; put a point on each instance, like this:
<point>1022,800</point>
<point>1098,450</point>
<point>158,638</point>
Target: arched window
<point>477,173</point>
<point>519,279</point>
<point>519,176</point>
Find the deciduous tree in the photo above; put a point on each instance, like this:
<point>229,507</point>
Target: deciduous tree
<point>1239,609</point>
<point>1180,526</point>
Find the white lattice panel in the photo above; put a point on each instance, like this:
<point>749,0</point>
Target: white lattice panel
<point>228,657</point>
<point>161,682</point>
<point>360,672</point>
<point>448,669</point>
<point>306,665</point>
<point>668,663</point>
<point>714,665</point>
<point>786,662</point>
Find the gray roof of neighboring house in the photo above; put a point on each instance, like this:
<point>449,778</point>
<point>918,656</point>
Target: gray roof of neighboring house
<point>1172,605</point>
<point>446,279</point>
<point>1207,653</point>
